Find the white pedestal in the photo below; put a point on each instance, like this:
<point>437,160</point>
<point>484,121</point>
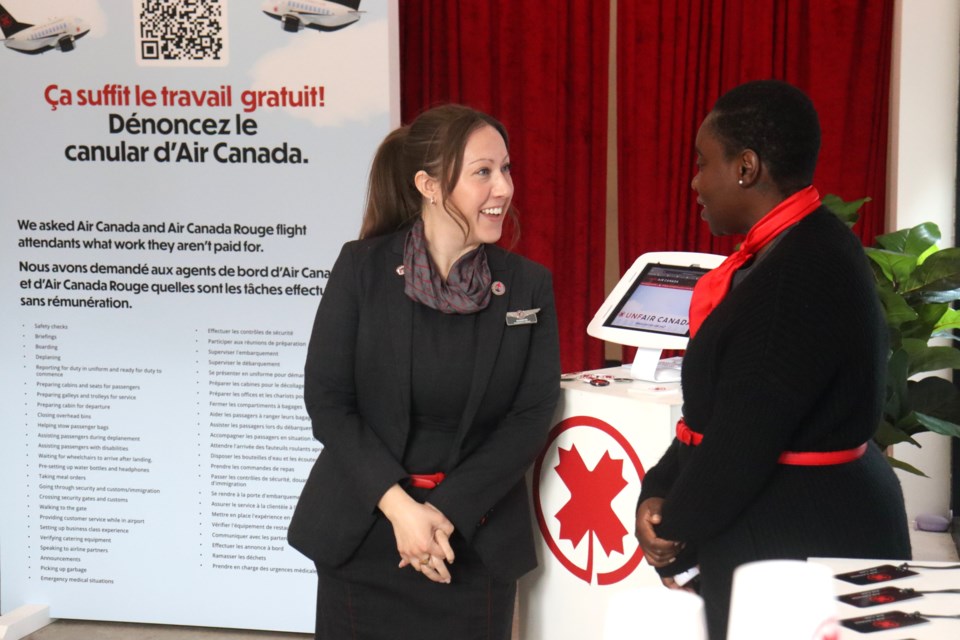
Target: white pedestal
<point>585,488</point>
<point>23,621</point>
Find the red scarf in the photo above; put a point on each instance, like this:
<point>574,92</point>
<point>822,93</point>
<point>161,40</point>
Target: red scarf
<point>713,286</point>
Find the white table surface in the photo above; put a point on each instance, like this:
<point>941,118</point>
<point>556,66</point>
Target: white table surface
<point>926,579</point>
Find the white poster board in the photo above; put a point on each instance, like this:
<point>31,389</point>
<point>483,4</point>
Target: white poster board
<point>176,184</point>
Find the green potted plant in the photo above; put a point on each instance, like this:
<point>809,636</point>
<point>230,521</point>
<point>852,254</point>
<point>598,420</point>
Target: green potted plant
<point>917,283</point>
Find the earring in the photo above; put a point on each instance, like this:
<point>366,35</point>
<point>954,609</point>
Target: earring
<point>434,200</point>
<point>740,182</point>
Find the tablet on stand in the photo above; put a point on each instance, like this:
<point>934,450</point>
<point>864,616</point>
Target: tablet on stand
<point>649,309</point>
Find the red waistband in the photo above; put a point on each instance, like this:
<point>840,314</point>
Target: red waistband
<point>426,480</point>
<point>691,438</point>
<point>686,435</point>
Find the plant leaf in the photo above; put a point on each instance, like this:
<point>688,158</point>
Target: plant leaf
<point>932,249</point>
<point>917,284</point>
<point>897,267</point>
<point>887,435</point>
<point>909,423</point>
<point>896,406</point>
<point>948,321</point>
<point>939,426</point>
<point>849,212</point>
<point>914,241</point>
<point>928,315</point>
<point>909,468</point>
<point>895,308</point>
<point>935,397</point>
<point>940,273</point>
<point>923,357</point>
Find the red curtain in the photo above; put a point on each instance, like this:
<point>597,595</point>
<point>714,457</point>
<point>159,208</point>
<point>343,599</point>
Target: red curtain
<point>675,58</point>
<point>542,70</point>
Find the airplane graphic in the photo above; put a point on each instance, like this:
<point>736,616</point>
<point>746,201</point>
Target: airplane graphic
<point>323,15</point>
<point>58,33</point>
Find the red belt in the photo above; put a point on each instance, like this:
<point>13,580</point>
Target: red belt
<point>426,480</point>
<point>691,438</point>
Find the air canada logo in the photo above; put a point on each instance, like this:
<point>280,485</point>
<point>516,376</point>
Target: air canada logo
<point>585,488</point>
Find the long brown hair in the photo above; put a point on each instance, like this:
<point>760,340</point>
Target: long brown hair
<point>434,142</point>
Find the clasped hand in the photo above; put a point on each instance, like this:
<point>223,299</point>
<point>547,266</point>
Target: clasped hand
<point>422,533</point>
<point>658,551</point>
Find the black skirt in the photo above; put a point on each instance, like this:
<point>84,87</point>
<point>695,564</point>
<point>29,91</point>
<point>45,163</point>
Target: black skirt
<point>369,598</point>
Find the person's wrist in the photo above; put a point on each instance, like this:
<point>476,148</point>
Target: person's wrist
<point>391,500</point>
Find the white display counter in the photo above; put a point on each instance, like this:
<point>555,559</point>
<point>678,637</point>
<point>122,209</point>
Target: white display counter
<point>585,488</point>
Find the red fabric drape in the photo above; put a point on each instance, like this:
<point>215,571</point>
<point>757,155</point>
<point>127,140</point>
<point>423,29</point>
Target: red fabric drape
<point>676,58</point>
<point>542,71</point>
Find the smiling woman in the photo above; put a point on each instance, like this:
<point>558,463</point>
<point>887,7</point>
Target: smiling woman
<point>430,399</point>
<point>470,211</point>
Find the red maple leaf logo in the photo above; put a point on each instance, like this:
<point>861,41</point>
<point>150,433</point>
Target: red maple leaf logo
<point>589,509</point>
<point>589,497</point>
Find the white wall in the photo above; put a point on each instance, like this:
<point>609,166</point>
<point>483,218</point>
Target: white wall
<point>922,175</point>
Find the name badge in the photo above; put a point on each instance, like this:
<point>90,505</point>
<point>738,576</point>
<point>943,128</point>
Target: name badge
<point>523,316</point>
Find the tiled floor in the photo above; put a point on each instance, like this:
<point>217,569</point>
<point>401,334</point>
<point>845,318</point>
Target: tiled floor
<point>926,546</point>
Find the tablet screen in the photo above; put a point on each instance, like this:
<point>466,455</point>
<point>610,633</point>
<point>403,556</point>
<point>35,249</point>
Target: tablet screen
<point>658,301</point>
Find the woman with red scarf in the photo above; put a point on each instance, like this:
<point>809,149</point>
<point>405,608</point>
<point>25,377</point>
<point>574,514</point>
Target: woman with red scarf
<point>783,378</point>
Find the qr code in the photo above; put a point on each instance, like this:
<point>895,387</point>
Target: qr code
<point>177,33</point>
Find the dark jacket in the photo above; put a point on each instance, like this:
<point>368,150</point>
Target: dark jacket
<point>793,359</point>
<point>357,389</point>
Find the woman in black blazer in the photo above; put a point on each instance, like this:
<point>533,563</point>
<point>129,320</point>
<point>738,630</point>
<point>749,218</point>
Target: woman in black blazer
<point>431,378</point>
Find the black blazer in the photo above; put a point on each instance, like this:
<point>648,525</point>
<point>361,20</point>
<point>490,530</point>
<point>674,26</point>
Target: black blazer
<point>357,389</point>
